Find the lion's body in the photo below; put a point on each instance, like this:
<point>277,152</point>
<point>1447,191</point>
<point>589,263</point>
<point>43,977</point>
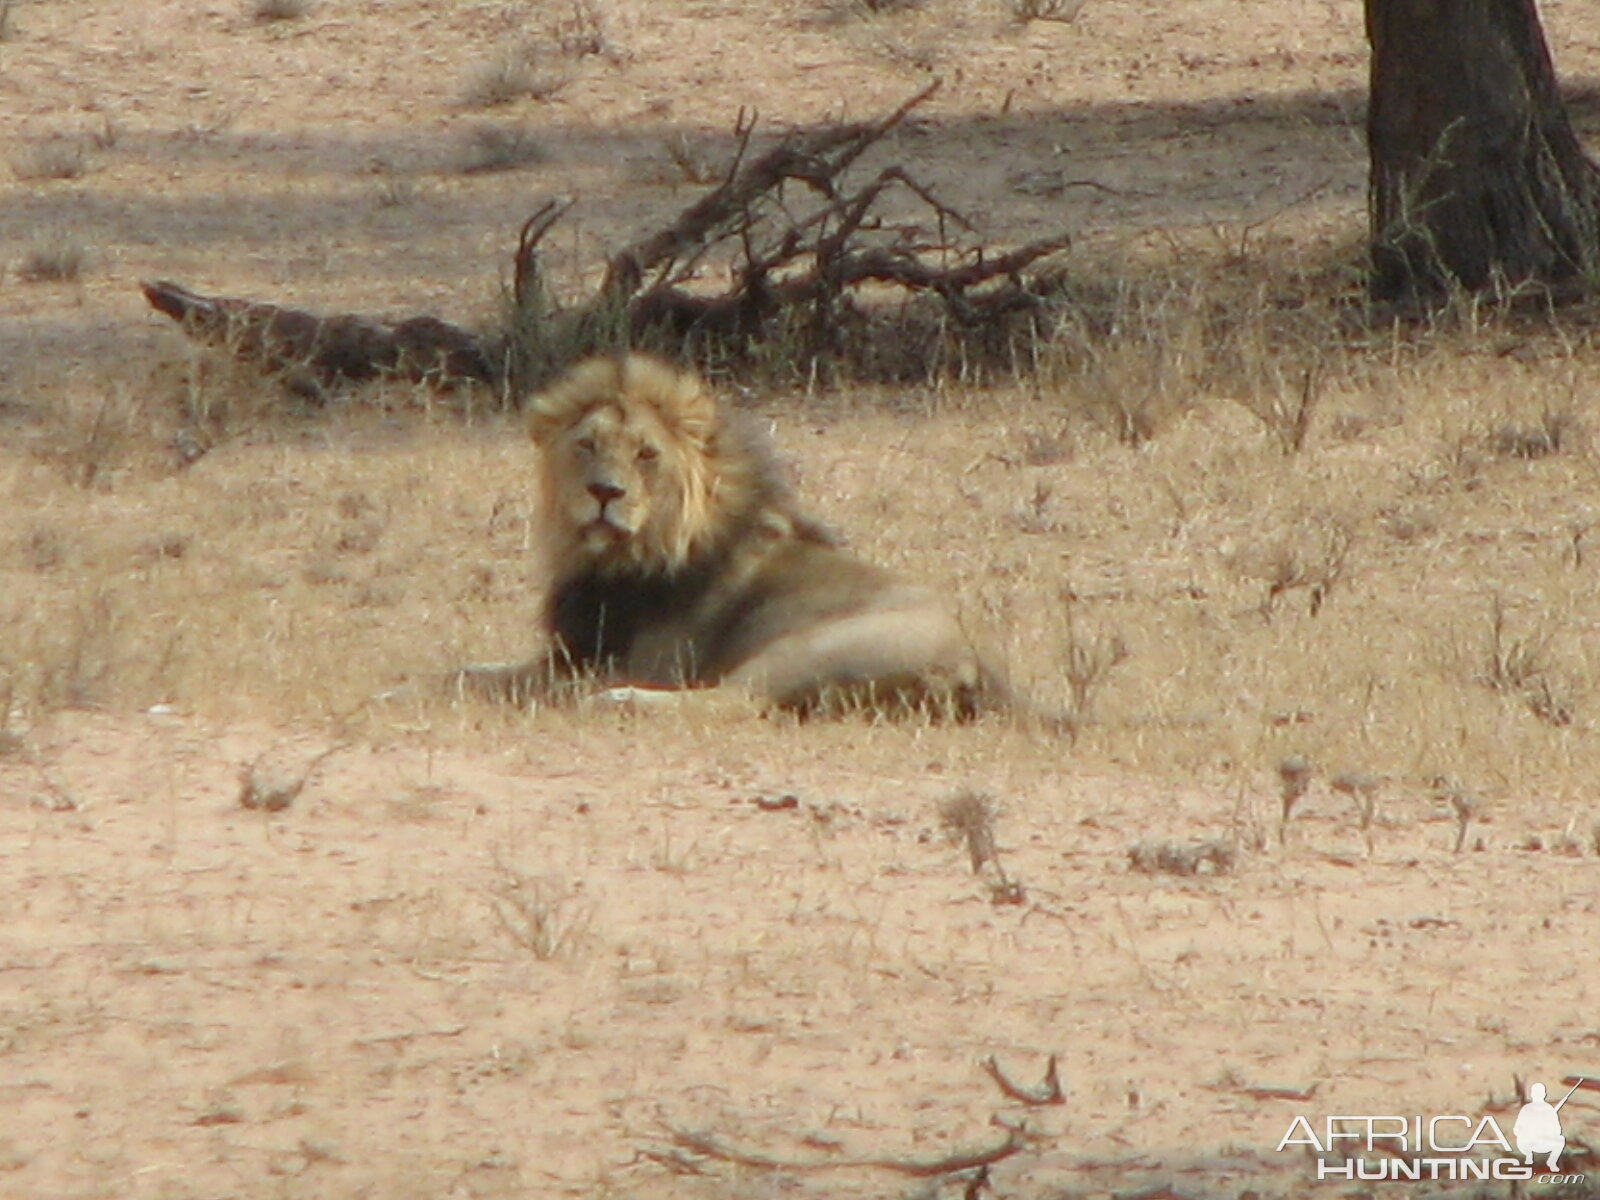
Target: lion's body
<point>678,560</point>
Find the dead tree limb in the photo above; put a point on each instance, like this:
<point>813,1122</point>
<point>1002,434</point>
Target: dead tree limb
<point>311,353</point>
<point>813,272</point>
<point>816,160</point>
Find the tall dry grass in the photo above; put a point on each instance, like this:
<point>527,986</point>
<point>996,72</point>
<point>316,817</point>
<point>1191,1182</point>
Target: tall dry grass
<point>1217,518</point>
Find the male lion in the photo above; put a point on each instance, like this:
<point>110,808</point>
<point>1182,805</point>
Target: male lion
<point>677,559</point>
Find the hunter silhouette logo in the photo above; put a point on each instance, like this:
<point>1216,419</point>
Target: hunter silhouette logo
<point>1538,1127</point>
<point>1444,1146</point>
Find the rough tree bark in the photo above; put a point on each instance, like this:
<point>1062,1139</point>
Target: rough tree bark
<point>1477,176</point>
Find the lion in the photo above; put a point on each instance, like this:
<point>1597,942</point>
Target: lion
<point>678,559</point>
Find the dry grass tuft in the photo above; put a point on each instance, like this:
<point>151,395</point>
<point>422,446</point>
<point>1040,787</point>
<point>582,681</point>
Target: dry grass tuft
<point>1520,667</point>
<point>1087,661</point>
<point>547,917</point>
<point>1555,431</point>
<point>968,819</point>
<point>493,148</point>
<point>582,32</point>
<point>1023,11</point>
<point>54,158</point>
<point>1312,556</point>
<point>693,163</point>
<point>270,11</point>
<point>56,258</point>
<point>517,74</point>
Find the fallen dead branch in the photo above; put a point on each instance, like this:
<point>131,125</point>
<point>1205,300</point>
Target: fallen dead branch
<point>823,277</point>
<point>310,353</point>
<point>708,1145</point>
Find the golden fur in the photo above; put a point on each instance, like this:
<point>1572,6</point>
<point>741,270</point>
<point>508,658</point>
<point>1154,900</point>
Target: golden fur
<point>678,559</point>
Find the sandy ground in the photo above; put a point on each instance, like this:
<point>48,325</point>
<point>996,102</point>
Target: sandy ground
<point>477,959</point>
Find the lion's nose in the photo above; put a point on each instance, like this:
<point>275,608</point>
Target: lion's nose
<point>605,491</point>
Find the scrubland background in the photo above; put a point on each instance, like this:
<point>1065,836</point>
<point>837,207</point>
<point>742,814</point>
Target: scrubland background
<point>492,955</point>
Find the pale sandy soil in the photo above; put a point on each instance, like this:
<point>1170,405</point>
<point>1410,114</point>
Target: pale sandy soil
<point>482,956</point>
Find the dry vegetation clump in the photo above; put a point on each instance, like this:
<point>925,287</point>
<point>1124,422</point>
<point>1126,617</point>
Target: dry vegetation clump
<point>269,11</point>
<point>1521,667</point>
<point>540,66</point>
<point>1555,431</point>
<point>55,258</point>
<point>494,148</point>
<point>968,818</point>
<point>544,916</point>
<point>55,158</point>
<point>1087,662</point>
<point>515,74</point>
<point>1024,11</point>
<point>1135,337</point>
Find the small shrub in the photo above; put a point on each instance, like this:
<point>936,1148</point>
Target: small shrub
<point>1314,557</point>
<point>1554,432</point>
<point>55,259</point>
<point>55,158</point>
<point>267,11</point>
<point>500,148</point>
<point>511,77</point>
<point>583,32</point>
<point>1023,11</point>
<point>1287,412</point>
<point>1087,662</point>
<point>968,819</point>
<point>547,917</point>
<point>1520,667</point>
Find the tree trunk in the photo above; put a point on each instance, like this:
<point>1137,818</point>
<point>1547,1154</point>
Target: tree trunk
<point>1477,177</point>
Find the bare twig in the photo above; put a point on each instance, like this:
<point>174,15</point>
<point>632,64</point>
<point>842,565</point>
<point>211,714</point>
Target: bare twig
<point>1049,1092</point>
<point>528,275</point>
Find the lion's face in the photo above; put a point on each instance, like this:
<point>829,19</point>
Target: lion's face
<point>611,463</point>
<point>629,465</point>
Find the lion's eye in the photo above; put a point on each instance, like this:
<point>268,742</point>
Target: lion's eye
<point>648,454</point>
<point>586,445</point>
